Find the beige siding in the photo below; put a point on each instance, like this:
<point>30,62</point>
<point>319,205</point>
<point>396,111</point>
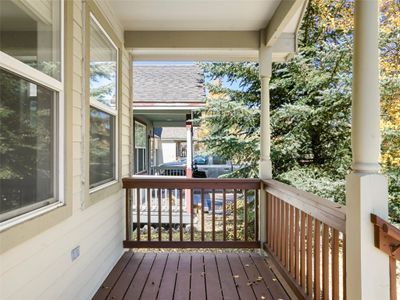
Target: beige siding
<point>41,267</point>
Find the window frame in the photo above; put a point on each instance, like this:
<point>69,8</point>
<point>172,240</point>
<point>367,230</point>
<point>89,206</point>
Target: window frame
<point>135,164</point>
<point>17,67</point>
<point>103,107</point>
<point>98,193</point>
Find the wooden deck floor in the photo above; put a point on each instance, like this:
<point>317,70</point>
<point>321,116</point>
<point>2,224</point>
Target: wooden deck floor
<point>192,276</point>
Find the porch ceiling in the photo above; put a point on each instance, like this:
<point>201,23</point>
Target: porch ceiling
<point>208,29</point>
<point>189,15</point>
<point>163,117</point>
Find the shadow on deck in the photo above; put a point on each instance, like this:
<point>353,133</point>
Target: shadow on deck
<point>193,276</point>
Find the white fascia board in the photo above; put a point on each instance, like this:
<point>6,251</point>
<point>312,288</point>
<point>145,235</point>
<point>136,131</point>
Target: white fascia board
<point>285,44</point>
<point>286,10</point>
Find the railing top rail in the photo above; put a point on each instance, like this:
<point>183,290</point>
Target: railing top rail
<point>387,236</point>
<point>328,212</point>
<point>173,182</point>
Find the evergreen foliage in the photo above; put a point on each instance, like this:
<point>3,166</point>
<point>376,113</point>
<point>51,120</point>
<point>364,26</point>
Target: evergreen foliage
<point>310,106</point>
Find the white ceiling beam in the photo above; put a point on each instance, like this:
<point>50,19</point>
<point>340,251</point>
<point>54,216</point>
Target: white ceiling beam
<point>203,45</point>
<point>283,14</point>
<point>169,124</point>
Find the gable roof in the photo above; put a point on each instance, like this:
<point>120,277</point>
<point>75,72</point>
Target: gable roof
<point>168,83</point>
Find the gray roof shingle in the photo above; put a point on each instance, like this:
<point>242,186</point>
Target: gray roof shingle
<point>168,83</point>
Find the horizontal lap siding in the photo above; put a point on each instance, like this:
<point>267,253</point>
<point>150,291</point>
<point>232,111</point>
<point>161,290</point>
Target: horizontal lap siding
<point>126,115</point>
<point>41,267</point>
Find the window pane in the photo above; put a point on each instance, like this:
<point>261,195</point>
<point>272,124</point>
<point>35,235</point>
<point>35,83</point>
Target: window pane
<point>30,32</point>
<point>102,149</point>
<point>103,67</point>
<point>26,145</point>
<point>140,164</point>
<point>140,135</point>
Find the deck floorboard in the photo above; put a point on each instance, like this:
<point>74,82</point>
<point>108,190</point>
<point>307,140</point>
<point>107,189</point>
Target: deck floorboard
<point>192,276</point>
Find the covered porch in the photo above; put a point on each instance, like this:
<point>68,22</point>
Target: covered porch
<point>264,239</point>
<point>317,248</point>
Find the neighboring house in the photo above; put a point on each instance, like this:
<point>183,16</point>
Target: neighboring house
<point>173,141</point>
<point>66,131</point>
<point>164,98</point>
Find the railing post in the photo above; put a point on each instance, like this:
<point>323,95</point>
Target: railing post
<point>366,189</point>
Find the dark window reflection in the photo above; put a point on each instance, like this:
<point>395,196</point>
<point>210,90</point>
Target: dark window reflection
<point>102,152</point>
<point>26,145</point>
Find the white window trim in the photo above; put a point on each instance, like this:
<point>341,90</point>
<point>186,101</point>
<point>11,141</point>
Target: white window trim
<point>145,163</point>
<point>107,109</point>
<point>25,71</point>
<point>18,67</point>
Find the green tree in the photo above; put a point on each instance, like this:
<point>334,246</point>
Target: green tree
<point>310,106</point>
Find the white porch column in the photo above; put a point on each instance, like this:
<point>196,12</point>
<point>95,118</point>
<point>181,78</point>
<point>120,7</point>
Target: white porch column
<point>265,67</point>
<point>366,189</point>
<point>265,167</point>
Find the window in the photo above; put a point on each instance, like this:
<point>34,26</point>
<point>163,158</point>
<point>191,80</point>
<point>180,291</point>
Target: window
<point>31,33</point>
<point>140,147</point>
<point>103,106</point>
<point>31,101</point>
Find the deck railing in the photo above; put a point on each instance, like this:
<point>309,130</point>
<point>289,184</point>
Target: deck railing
<point>175,212</point>
<point>305,238</point>
<point>387,238</point>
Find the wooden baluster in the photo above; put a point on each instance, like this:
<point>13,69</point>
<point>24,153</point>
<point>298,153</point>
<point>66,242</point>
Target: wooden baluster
<point>224,214</point>
<point>296,246</point>
<point>344,268</point>
<point>159,215</point>
<point>325,262</point>
<point>256,214</point>
<point>202,215</point>
<point>138,214</point>
<point>278,227</point>
<point>283,233</point>
<point>245,216</point>
<point>393,281</point>
<point>273,222</point>
<point>180,215</point>
<point>234,215</point>
<point>170,214</point>
<point>309,255</point>
<point>291,241</point>
<point>213,215</point>
<point>269,221</point>
<point>148,215</point>
<point>275,225</point>
<point>191,215</point>
<point>286,238</point>
<point>128,212</point>
<point>335,265</point>
<point>303,250</point>
<point>317,260</point>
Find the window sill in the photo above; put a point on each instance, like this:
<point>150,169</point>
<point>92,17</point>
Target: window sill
<point>29,215</point>
<point>103,191</point>
<point>102,186</point>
